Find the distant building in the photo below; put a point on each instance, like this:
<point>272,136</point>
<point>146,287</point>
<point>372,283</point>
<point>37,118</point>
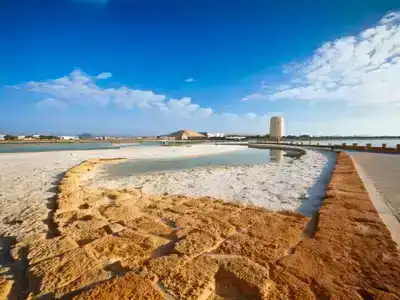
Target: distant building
<point>2,137</point>
<point>166,137</point>
<point>36,136</point>
<point>21,137</point>
<point>68,138</point>
<point>214,134</point>
<point>101,138</point>
<point>238,138</point>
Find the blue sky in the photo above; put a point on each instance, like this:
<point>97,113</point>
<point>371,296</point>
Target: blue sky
<point>142,67</point>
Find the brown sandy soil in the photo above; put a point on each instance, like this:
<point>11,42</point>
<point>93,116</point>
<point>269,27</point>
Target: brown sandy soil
<point>5,286</point>
<point>123,244</point>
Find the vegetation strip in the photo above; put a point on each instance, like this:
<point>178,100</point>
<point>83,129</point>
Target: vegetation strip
<point>123,244</point>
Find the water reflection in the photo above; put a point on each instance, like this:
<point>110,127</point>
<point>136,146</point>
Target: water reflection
<point>276,155</point>
<point>247,156</point>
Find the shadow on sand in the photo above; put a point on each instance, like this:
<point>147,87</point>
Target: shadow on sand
<point>14,270</point>
<point>310,206</point>
<point>317,191</point>
<point>52,206</point>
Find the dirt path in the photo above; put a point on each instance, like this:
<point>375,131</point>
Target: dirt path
<point>122,244</point>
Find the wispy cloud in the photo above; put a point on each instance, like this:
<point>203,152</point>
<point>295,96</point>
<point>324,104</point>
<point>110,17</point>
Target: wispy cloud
<point>359,70</point>
<point>51,103</point>
<point>189,80</point>
<point>81,89</point>
<point>104,75</point>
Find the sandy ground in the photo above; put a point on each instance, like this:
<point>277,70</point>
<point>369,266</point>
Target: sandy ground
<point>28,181</point>
<point>124,244</point>
<point>298,185</point>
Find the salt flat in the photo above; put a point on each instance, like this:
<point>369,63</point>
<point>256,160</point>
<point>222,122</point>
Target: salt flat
<point>29,180</point>
<point>298,185</point>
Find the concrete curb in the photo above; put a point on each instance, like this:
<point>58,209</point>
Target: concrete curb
<point>301,151</point>
<point>382,207</point>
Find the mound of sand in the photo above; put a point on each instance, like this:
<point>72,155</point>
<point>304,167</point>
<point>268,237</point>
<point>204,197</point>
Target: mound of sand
<point>186,134</point>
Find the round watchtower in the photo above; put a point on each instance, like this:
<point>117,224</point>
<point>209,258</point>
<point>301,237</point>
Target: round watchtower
<point>276,128</point>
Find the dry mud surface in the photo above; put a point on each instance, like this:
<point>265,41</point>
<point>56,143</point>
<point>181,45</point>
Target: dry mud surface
<point>122,244</point>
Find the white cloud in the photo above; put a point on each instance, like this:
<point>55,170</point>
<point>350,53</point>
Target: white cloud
<point>179,104</point>
<point>189,80</point>
<point>128,98</point>
<point>251,116</point>
<point>104,75</point>
<point>229,116</point>
<point>160,112</point>
<point>385,121</point>
<point>205,112</point>
<point>255,96</point>
<point>390,17</point>
<point>360,69</point>
<point>51,103</point>
<point>184,107</point>
<point>79,88</point>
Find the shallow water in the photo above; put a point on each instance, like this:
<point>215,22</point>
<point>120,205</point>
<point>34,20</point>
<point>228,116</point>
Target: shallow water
<point>45,147</point>
<point>139,144</point>
<point>234,158</point>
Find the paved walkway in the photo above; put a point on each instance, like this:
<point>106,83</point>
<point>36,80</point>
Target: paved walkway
<point>384,171</point>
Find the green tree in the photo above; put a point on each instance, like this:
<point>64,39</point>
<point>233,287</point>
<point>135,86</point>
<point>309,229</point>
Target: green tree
<point>9,137</point>
<point>85,136</point>
<point>48,137</point>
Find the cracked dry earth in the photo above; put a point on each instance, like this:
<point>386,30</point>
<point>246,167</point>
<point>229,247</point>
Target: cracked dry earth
<point>122,244</point>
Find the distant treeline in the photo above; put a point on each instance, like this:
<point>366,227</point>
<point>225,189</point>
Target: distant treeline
<point>306,137</point>
<point>329,137</point>
<point>9,137</point>
<point>302,137</point>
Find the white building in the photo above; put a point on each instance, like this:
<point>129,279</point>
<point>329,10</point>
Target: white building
<point>36,136</point>
<point>238,138</point>
<point>20,137</point>
<point>68,138</point>
<point>215,134</point>
<point>2,137</point>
